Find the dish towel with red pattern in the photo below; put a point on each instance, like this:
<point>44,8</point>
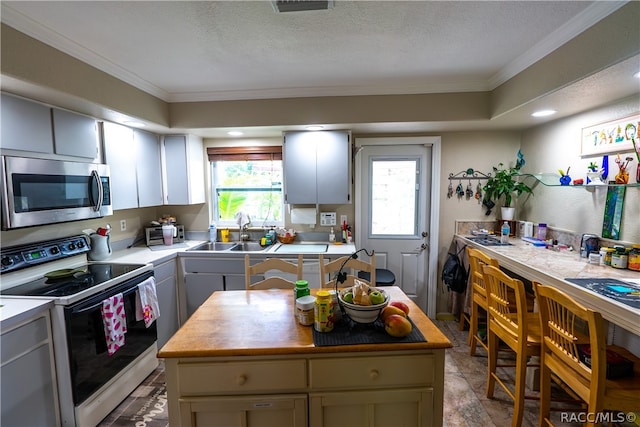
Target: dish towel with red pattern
<point>147,308</point>
<point>115,322</point>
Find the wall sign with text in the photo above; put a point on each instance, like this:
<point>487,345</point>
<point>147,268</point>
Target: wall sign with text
<point>611,137</point>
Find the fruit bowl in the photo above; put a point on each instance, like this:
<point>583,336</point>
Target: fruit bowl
<point>286,238</point>
<point>363,313</point>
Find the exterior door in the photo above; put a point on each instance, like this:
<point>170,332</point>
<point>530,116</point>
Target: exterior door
<point>394,213</point>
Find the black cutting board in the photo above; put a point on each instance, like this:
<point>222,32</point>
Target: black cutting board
<point>623,292</point>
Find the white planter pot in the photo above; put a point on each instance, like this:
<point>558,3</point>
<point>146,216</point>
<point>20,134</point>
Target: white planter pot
<point>507,213</point>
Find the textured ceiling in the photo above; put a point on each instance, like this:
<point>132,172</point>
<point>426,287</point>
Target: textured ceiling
<point>207,51</point>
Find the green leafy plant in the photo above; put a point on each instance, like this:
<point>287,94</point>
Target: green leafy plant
<point>593,167</point>
<point>504,184</point>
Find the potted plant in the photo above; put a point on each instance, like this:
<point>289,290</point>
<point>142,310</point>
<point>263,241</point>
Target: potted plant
<point>503,185</point>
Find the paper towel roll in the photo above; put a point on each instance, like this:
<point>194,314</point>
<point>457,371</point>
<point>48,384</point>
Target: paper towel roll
<point>303,216</point>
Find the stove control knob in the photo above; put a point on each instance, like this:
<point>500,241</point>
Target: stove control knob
<point>54,250</point>
<point>6,261</point>
<point>72,246</point>
<point>80,244</point>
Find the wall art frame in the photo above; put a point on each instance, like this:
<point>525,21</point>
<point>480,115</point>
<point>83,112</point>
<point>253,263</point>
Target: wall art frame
<point>613,212</point>
<point>610,137</point>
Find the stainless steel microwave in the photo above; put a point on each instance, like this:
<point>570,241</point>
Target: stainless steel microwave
<point>40,192</point>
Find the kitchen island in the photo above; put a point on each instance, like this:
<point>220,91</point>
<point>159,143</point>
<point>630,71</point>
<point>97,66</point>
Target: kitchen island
<point>551,267</point>
<point>242,357</point>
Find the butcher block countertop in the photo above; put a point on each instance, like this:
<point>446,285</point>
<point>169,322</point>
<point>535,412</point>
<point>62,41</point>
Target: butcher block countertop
<point>262,322</point>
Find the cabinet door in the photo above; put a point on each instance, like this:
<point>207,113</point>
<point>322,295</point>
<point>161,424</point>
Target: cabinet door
<point>199,287</point>
<point>26,125</point>
<point>248,411</point>
<point>333,161</point>
<point>299,167</point>
<point>148,169</point>
<point>118,141</point>
<point>75,134</point>
<point>167,323</point>
<point>184,168</point>
<point>28,386</point>
<point>317,167</point>
<point>407,407</point>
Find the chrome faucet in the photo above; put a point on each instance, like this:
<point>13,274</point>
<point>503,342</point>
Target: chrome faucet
<point>243,225</point>
<point>244,233</point>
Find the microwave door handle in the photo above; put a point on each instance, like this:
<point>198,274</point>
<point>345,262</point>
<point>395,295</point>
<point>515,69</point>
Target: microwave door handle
<point>95,178</point>
<point>94,306</point>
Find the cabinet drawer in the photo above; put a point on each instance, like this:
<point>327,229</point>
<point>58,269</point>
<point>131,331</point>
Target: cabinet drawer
<point>241,377</point>
<point>212,265</point>
<point>24,339</point>
<point>384,371</point>
<point>164,270</point>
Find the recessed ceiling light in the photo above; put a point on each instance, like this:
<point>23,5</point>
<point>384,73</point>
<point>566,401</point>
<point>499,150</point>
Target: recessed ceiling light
<point>315,127</point>
<point>235,133</point>
<point>637,75</point>
<point>543,113</point>
<point>134,123</point>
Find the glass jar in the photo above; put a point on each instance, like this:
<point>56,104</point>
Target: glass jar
<point>634,258</point>
<point>542,231</point>
<point>305,310</point>
<point>619,259</point>
<point>607,256</point>
<point>323,312</point>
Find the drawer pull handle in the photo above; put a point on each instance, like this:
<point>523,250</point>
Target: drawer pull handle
<point>242,379</point>
<point>374,374</point>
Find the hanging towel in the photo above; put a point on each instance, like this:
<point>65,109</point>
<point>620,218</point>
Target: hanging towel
<point>115,322</point>
<point>147,308</point>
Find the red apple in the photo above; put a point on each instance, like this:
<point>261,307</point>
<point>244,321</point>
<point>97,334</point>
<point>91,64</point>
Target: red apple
<point>397,326</point>
<point>389,310</point>
<point>402,306</point>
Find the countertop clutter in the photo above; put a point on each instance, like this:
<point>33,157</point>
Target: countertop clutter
<point>553,267</point>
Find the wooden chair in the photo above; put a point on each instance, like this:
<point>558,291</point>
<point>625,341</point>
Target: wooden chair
<point>273,282</point>
<point>352,266</point>
<point>508,321</point>
<point>565,325</point>
<point>477,259</point>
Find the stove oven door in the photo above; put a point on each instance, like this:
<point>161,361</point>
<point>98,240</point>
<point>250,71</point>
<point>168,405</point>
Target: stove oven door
<point>91,365</point>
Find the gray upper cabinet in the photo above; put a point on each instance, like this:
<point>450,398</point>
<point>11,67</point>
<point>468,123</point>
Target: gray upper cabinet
<point>75,134</point>
<point>26,125</point>
<point>33,127</point>
<point>183,162</point>
<point>148,169</point>
<point>317,167</point>
<point>136,173</point>
<point>121,158</point>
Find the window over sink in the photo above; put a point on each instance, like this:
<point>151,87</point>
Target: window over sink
<point>247,179</point>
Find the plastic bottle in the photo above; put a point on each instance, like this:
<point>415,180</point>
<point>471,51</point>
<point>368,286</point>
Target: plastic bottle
<point>212,233</point>
<point>323,312</point>
<point>301,289</point>
<point>332,236</point>
<point>542,231</point>
<point>504,232</point>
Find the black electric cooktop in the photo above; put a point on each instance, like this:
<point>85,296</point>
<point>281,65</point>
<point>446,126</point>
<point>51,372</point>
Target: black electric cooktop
<point>81,279</point>
<point>623,292</point>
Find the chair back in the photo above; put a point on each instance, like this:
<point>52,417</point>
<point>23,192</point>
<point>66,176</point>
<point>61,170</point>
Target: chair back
<point>269,265</point>
<point>477,260</point>
<point>329,270</point>
<point>565,324</point>
<point>507,306</point>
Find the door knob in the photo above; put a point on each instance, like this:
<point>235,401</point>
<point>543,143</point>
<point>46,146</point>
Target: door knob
<point>425,234</point>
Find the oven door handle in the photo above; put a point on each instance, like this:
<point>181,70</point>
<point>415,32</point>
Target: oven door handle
<point>94,306</point>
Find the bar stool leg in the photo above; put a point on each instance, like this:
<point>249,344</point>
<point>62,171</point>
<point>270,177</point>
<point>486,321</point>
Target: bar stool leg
<point>492,342</point>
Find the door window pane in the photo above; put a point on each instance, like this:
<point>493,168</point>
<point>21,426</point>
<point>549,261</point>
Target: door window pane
<point>394,195</point>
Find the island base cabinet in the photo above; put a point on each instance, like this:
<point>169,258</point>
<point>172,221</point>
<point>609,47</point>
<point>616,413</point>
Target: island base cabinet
<point>247,411</point>
<point>384,408</point>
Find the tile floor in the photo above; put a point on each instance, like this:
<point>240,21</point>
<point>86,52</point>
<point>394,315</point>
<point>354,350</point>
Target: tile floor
<point>465,401</point>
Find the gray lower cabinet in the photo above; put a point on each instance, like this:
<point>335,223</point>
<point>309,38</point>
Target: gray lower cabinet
<point>166,289</point>
<point>28,386</point>
<point>199,287</point>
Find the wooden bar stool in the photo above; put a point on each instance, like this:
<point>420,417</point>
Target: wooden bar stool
<point>560,320</point>
<point>477,259</point>
<point>510,322</point>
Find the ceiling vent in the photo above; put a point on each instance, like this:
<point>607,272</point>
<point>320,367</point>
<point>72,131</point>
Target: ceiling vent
<point>282,6</point>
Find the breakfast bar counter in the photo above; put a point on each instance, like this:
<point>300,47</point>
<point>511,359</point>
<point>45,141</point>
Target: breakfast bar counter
<point>552,267</point>
<point>242,355</point>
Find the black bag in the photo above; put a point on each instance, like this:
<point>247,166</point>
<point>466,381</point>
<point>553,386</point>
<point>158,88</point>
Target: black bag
<point>454,274</point>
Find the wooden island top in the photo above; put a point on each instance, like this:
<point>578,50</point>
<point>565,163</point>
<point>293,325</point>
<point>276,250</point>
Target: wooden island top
<point>261,322</point>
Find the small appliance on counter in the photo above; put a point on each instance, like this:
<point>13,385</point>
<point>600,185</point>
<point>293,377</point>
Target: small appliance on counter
<point>589,243</point>
<point>155,237</point>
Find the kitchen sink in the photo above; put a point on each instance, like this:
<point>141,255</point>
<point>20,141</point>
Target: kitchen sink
<point>214,246</point>
<point>247,247</point>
